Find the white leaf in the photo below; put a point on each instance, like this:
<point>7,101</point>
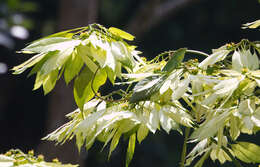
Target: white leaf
<point>165,121</point>
<point>248,123</point>
<point>213,58</point>
<point>165,86</point>
<point>225,87</point>
<point>153,122</point>
<point>182,88</point>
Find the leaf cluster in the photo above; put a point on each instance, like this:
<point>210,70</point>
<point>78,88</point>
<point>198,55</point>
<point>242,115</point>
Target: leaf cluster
<point>218,98</point>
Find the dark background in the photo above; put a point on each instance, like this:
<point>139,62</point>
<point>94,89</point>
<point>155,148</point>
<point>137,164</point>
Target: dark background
<point>159,25</point>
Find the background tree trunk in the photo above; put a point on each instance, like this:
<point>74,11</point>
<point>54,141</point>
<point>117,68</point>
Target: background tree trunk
<point>72,13</point>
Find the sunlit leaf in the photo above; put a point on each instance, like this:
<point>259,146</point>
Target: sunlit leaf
<point>210,128</point>
<point>142,132</point>
<point>72,67</point>
<point>252,25</point>
<point>51,44</point>
<point>50,81</point>
<point>121,33</point>
<point>213,58</point>
<point>130,149</point>
<point>247,152</point>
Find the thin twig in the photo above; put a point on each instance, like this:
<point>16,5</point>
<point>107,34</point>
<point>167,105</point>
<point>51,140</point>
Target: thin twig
<point>197,52</point>
<point>184,147</point>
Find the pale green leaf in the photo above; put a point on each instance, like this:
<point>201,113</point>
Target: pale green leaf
<point>50,81</point>
<point>27,64</point>
<point>72,67</point>
<point>252,25</point>
<point>83,85</point>
<point>83,52</point>
<point>130,149</point>
<point>56,61</point>
<point>121,33</point>
<point>114,142</point>
<point>234,127</point>
<point>142,132</point>
<point>247,152</point>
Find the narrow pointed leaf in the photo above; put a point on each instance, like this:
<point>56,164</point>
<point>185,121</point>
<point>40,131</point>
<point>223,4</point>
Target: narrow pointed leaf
<point>130,149</point>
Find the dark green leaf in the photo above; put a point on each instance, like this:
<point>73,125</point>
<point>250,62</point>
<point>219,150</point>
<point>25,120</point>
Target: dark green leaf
<point>175,60</point>
<point>145,88</point>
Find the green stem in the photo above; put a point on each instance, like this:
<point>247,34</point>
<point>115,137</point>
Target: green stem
<point>197,52</point>
<point>184,147</point>
<point>234,160</point>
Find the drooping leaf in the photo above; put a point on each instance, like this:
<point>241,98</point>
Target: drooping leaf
<point>142,132</point>
<point>83,85</point>
<point>247,152</point>
<point>114,142</point>
<point>175,60</point>
<point>50,81</point>
<point>72,67</point>
<point>130,149</point>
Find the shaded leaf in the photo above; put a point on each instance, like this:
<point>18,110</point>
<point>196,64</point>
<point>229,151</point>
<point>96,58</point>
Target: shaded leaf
<point>145,88</point>
<point>175,60</point>
<point>83,85</point>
